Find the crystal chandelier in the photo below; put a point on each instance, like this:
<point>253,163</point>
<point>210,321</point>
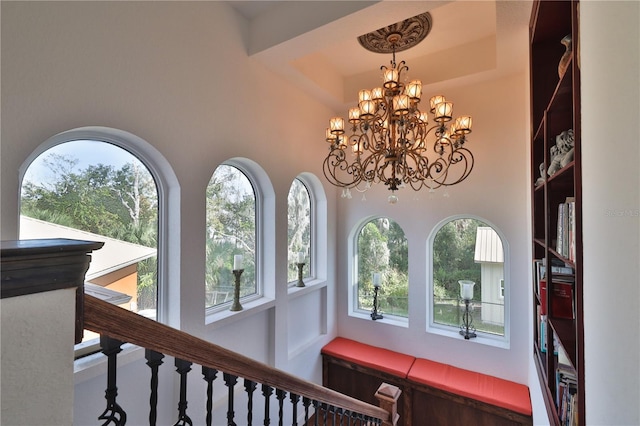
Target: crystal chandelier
<point>391,139</point>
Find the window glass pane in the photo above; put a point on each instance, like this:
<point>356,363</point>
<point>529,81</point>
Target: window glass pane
<point>299,231</point>
<point>97,191</point>
<point>382,248</point>
<point>231,230</point>
<point>469,249</point>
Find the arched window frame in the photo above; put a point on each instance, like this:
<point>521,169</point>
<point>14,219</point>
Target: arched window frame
<point>354,311</point>
<point>451,331</point>
<point>168,206</point>
<point>265,235</point>
<point>319,232</point>
<point>310,267</point>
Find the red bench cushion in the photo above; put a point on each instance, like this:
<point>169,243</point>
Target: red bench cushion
<point>369,356</point>
<point>481,387</point>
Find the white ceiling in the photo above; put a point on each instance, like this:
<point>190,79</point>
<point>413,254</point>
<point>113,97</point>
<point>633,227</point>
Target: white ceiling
<point>314,43</point>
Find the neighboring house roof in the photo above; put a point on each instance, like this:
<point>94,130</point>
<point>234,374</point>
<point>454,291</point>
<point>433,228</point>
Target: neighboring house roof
<point>114,255</point>
<point>488,246</point>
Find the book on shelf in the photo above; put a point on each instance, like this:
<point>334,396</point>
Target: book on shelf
<point>543,327</point>
<point>562,296</point>
<point>566,394</point>
<point>565,236</point>
<point>560,272</point>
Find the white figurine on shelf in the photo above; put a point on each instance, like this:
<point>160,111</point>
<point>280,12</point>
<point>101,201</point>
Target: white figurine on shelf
<point>561,152</point>
<point>540,180</point>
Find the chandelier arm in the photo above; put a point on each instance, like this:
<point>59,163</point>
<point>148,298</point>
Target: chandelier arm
<point>334,164</point>
<point>459,159</point>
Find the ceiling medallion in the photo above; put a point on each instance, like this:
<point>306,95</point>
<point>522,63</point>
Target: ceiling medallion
<point>399,36</point>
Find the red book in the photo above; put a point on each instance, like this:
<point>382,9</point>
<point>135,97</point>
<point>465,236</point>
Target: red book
<point>562,300</point>
<point>543,297</point>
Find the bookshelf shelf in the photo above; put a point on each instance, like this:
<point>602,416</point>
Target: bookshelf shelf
<point>557,212</point>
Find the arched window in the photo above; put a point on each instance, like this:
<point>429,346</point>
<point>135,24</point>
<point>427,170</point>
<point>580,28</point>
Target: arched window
<point>381,248</point>
<point>299,247</point>
<point>231,232</point>
<point>466,248</point>
<point>107,185</point>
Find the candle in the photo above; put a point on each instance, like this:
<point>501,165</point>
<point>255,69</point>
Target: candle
<point>237,262</point>
<point>466,289</point>
<point>300,257</point>
<point>376,279</point>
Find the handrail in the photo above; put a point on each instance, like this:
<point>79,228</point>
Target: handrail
<point>118,323</point>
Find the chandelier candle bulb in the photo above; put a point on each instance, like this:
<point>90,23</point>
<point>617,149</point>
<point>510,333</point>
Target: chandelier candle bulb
<point>434,101</point>
<point>300,257</point>
<point>329,137</point>
<point>391,78</point>
<point>401,104</point>
<point>443,112</point>
<point>337,125</point>
<point>463,124</point>
<point>237,262</point>
<point>367,108</point>
<point>364,95</point>
<point>377,94</point>
<point>354,115</point>
<point>414,90</point>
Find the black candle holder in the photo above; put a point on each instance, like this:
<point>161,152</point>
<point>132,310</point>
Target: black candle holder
<point>467,329</point>
<point>374,312</point>
<point>300,282</point>
<point>236,306</point>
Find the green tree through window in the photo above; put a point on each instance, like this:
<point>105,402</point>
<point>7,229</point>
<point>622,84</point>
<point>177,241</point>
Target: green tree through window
<point>299,229</point>
<point>231,230</point>
<point>382,248</point>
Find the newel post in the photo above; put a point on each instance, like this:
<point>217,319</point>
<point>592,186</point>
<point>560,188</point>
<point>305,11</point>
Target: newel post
<point>387,396</point>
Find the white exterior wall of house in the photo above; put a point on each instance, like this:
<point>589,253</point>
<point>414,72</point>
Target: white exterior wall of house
<point>177,75</point>
<point>492,304</point>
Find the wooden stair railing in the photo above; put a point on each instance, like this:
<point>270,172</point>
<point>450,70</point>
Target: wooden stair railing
<point>125,326</point>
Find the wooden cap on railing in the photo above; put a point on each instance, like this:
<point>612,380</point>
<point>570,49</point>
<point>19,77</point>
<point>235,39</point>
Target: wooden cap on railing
<point>387,396</point>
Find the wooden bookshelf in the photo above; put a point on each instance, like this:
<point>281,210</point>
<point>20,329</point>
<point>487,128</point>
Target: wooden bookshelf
<point>555,108</point>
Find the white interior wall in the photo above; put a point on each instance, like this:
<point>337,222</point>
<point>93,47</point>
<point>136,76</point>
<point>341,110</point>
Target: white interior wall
<point>610,63</point>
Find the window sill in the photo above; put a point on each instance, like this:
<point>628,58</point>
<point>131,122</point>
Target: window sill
<point>482,338</point>
<point>224,317</point>
<point>388,319</point>
<point>313,284</point>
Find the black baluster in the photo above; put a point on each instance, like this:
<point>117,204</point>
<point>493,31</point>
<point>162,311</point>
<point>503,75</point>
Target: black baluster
<point>209,374</point>
<point>294,403</point>
<point>113,414</point>
<point>353,419</point>
<point>344,413</point>
<point>230,380</point>
<point>305,403</point>
<point>249,387</point>
<point>183,368</point>
<point>154,361</point>
<point>267,391</point>
<point>316,413</point>
<point>332,410</point>
<point>280,396</point>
